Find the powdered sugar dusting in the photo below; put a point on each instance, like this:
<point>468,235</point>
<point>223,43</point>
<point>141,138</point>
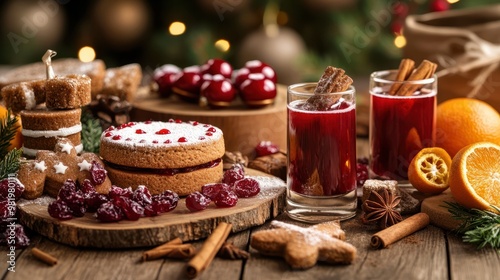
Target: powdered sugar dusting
<point>312,236</point>
<point>42,200</point>
<point>160,134</point>
<point>268,185</point>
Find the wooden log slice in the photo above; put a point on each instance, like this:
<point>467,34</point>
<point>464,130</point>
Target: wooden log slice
<point>243,127</point>
<point>87,231</point>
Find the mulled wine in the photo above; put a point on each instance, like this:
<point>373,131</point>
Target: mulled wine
<point>321,154</point>
<point>400,126</point>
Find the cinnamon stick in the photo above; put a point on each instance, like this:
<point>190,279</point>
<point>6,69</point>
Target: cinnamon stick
<point>209,249</point>
<point>332,80</point>
<point>43,256</point>
<point>400,230</point>
<point>153,252</point>
<point>176,251</point>
<point>405,69</point>
<point>424,71</point>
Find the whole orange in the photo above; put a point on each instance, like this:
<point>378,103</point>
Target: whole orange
<point>464,121</point>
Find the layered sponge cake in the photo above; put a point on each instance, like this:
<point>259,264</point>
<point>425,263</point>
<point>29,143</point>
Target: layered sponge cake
<point>173,155</point>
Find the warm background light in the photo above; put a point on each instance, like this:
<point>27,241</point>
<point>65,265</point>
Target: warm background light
<point>177,28</point>
<point>86,54</point>
<point>400,41</point>
<point>222,45</point>
<point>452,1</point>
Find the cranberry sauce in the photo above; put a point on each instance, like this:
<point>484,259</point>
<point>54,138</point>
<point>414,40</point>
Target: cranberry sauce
<point>401,127</point>
<point>166,171</point>
<point>322,150</point>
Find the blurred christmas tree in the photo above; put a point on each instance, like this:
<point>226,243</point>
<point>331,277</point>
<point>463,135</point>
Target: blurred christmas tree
<point>298,38</point>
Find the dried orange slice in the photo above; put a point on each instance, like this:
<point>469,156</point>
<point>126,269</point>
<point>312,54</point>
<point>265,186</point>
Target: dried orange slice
<point>475,176</point>
<point>429,170</point>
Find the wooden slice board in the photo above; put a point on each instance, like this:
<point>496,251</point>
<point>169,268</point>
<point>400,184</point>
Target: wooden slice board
<point>439,215</point>
<point>243,127</point>
<point>87,231</point>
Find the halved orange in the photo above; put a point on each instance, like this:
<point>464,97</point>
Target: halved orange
<point>429,170</point>
<point>475,176</point>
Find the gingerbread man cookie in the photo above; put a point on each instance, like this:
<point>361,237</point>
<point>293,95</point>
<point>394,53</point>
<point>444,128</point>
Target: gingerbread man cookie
<point>303,247</point>
<point>51,169</point>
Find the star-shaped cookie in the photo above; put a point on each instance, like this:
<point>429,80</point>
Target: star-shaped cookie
<point>303,247</point>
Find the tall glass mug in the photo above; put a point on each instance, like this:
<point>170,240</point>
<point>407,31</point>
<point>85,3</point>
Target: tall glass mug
<point>400,125</point>
<point>321,180</point>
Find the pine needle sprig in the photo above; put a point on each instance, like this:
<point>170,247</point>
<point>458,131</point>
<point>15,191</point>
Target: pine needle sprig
<point>8,128</point>
<point>10,163</point>
<point>480,227</point>
<point>91,132</point>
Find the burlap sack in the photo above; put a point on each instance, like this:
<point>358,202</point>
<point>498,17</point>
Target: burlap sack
<point>466,46</point>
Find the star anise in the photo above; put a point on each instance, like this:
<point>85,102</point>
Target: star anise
<point>381,207</point>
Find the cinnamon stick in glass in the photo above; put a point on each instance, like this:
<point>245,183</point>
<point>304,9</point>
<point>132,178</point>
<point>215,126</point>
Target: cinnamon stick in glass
<point>400,230</point>
<point>207,252</point>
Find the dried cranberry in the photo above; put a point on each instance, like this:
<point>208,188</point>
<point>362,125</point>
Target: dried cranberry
<point>247,187</point>
<point>226,199</point>
<point>7,209</point>
<point>109,212</point>
<point>132,210</point>
<point>142,195</point>
<point>265,148</point>
<point>170,195</point>
<point>197,201</point>
<point>97,173</point>
<point>11,188</point>
<point>94,200</point>
<point>149,211</point>
<point>14,235</point>
<point>211,190</point>
<point>164,202</point>
<point>116,191</point>
<point>87,187</point>
<point>235,173</point>
<point>67,190</point>
<point>59,209</point>
<point>76,204</point>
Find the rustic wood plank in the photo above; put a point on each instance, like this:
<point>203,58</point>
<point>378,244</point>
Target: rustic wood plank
<point>467,262</point>
<point>87,231</point>
<point>419,256</point>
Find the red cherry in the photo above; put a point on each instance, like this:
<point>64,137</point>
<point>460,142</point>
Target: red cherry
<point>219,92</point>
<point>265,148</point>
<point>165,76</point>
<point>163,131</point>
<point>257,90</point>
<point>439,6</point>
<point>241,76</point>
<point>216,66</point>
<point>188,83</point>
<point>257,66</point>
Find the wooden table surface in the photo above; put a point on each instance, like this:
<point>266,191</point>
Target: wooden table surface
<point>428,254</point>
<point>431,253</point>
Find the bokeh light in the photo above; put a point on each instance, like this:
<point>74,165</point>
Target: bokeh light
<point>177,28</point>
<point>86,54</point>
<point>222,45</point>
<point>400,41</point>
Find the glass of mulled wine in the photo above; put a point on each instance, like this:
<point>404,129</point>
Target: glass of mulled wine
<point>321,179</point>
<point>400,125</point>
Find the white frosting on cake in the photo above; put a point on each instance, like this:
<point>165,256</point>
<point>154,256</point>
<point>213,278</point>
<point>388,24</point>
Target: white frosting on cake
<point>154,134</point>
<point>29,96</point>
<point>64,131</point>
